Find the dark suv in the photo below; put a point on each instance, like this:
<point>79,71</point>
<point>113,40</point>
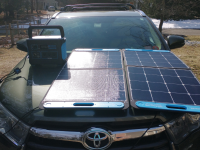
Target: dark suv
<point>109,32</point>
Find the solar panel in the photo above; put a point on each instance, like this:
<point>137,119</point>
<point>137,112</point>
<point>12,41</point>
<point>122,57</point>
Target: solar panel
<point>153,59</point>
<point>106,85</point>
<point>156,88</point>
<point>94,59</point>
<point>89,79</point>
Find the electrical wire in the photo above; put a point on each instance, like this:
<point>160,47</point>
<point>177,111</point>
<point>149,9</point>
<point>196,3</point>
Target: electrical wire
<point>24,79</point>
<point>24,63</point>
<point>16,71</point>
<point>11,74</point>
<point>24,116</point>
<point>132,148</point>
<point>18,77</point>
<point>6,76</point>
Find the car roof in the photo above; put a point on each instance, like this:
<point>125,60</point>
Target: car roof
<point>98,13</point>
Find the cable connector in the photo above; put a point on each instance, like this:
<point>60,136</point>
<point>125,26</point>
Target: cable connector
<point>17,70</point>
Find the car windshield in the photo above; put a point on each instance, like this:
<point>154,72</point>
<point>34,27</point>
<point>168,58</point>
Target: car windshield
<point>107,32</point>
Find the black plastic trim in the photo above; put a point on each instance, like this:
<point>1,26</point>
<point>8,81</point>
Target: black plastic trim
<point>189,140</point>
<point>46,27</point>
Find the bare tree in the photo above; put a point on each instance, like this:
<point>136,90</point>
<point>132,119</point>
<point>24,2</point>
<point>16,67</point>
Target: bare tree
<point>36,3</point>
<point>27,5</point>
<point>31,6</point>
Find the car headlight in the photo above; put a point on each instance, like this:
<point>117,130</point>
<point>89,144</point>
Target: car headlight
<point>18,134</point>
<point>179,128</point>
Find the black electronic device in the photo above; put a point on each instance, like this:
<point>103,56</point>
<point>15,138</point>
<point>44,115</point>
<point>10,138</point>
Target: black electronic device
<point>47,50</point>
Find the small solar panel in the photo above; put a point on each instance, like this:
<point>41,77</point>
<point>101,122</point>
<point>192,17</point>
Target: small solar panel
<point>103,85</point>
<point>156,88</point>
<point>153,59</point>
<point>94,60</point>
<point>89,79</point>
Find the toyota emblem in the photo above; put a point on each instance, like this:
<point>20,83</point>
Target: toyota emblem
<point>97,139</point>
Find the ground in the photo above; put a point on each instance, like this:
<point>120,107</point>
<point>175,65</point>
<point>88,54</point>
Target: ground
<point>182,31</point>
<point>9,58</point>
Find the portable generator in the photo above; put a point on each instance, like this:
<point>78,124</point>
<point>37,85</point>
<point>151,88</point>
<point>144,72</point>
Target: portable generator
<point>47,50</point>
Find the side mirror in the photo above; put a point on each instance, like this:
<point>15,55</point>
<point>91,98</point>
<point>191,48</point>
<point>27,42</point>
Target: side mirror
<point>175,41</point>
<point>22,45</point>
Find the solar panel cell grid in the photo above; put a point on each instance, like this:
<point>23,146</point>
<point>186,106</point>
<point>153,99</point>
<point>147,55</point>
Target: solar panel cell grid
<point>88,85</point>
<point>164,85</point>
<point>153,59</point>
<point>141,95</point>
<point>97,59</point>
<point>166,97</point>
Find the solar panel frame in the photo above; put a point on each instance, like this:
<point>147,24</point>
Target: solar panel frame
<point>126,101</point>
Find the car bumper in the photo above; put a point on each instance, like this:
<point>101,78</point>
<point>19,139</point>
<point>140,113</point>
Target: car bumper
<point>188,144</point>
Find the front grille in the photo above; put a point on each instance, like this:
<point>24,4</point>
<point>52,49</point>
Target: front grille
<point>155,142</point>
<point>82,127</point>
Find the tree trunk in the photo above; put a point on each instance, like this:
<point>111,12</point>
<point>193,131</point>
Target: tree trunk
<point>27,6</point>
<point>31,6</point>
<point>11,13</point>
<point>36,6</point>
<point>5,15</point>
<point>161,23</point>
<point>162,16</point>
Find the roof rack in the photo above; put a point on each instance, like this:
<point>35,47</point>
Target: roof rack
<point>99,6</point>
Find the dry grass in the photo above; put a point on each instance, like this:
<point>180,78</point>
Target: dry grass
<point>9,58</point>
<point>193,38</point>
<point>191,56</point>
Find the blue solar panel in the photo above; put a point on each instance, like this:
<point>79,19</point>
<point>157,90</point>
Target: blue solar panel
<point>159,86</point>
<point>153,59</point>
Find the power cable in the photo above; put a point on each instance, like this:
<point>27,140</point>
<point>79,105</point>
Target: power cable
<point>16,71</point>
<point>24,63</point>
<point>24,116</point>
<point>132,148</point>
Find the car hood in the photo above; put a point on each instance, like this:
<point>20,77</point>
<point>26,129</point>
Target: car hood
<point>21,96</point>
